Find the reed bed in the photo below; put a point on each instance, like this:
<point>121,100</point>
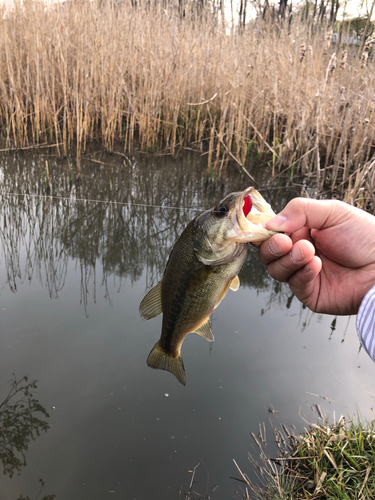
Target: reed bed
<point>333,462</point>
<point>76,72</point>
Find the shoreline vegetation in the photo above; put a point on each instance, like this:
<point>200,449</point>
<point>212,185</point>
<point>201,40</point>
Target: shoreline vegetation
<point>328,461</point>
<point>168,76</point>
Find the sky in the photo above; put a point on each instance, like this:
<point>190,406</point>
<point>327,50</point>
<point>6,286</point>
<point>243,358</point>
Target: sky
<point>352,8</point>
<point>356,8</point>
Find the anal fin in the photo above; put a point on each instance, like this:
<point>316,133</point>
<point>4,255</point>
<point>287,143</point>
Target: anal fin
<point>205,331</point>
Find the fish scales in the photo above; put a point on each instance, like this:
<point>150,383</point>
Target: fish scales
<point>191,290</point>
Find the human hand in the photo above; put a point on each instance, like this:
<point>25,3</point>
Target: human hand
<point>327,254</point>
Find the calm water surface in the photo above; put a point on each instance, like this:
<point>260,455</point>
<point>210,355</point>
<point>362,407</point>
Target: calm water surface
<point>72,275</point>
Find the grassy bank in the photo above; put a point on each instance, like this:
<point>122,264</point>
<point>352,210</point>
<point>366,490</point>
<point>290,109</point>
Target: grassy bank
<point>80,71</point>
<point>327,461</point>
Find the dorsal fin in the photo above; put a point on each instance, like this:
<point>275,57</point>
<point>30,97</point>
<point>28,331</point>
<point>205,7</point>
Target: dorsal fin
<point>150,307</point>
<point>205,331</point>
<point>235,284</point>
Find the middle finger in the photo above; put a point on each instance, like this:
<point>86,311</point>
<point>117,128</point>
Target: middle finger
<point>283,268</point>
<point>274,248</point>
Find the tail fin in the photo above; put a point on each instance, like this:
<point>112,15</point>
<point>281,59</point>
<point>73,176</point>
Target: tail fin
<point>162,361</point>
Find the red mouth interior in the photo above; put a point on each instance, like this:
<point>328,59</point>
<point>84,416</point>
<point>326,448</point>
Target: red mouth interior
<point>247,205</point>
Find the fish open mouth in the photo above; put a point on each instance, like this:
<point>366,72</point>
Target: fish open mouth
<point>247,205</point>
<point>252,213</point>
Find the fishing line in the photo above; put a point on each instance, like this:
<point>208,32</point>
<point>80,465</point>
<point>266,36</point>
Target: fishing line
<point>128,204</point>
<point>32,195</point>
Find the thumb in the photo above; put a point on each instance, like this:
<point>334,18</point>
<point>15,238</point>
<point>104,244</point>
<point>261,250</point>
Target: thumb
<point>304,212</point>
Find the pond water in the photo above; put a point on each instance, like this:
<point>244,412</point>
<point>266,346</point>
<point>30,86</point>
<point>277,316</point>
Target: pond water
<point>75,263</point>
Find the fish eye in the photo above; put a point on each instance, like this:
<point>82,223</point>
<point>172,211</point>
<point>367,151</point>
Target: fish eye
<point>221,210</point>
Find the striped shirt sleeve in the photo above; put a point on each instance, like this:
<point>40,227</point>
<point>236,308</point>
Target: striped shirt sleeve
<point>366,323</point>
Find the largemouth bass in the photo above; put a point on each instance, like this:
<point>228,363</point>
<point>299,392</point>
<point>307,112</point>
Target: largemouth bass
<point>202,266</point>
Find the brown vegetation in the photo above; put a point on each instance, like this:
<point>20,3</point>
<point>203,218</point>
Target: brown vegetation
<point>79,71</point>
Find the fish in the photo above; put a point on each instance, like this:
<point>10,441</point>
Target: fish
<point>203,265</point>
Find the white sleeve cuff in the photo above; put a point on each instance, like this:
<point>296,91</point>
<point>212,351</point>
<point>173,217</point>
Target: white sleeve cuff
<point>366,323</point>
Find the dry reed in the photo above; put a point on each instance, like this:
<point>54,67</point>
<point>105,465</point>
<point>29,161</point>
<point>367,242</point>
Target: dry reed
<point>75,72</point>
<point>365,52</point>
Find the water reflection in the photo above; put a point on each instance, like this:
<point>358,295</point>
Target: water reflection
<point>125,216</point>
<point>103,242</point>
<point>19,423</point>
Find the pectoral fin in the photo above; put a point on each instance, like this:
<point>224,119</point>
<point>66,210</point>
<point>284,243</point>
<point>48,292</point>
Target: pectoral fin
<point>162,361</point>
<point>205,331</point>
<point>150,306</point>
<point>235,284</point>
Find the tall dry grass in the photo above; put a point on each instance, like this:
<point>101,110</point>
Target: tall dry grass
<point>80,71</point>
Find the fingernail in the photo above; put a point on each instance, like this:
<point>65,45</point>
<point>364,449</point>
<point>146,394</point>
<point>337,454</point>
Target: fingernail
<point>274,247</point>
<point>296,254</point>
<point>276,223</point>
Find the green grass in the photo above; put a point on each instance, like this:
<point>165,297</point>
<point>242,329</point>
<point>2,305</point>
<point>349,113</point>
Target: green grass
<point>333,462</point>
